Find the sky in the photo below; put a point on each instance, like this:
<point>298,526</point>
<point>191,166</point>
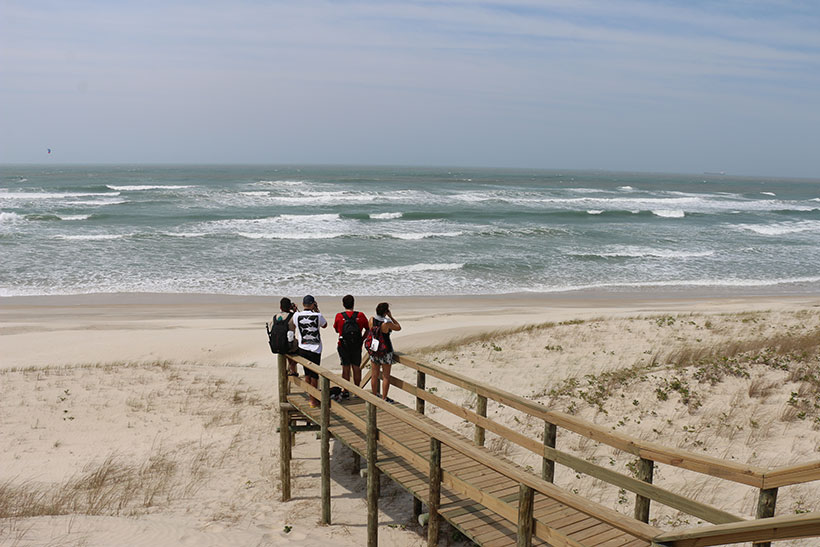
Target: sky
<point>666,86</point>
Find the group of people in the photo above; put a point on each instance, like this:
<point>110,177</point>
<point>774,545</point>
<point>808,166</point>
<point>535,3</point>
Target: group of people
<point>305,327</point>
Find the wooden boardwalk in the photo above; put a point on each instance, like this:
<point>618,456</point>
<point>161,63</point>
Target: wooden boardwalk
<point>494,502</point>
<point>479,523</point>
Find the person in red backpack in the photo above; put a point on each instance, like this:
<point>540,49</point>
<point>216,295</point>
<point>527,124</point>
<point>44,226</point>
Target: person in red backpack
<point>350,325</point>
<point>385,321</point>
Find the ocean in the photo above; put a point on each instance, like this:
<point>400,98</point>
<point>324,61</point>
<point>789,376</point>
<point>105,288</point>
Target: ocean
<point>291,230</point>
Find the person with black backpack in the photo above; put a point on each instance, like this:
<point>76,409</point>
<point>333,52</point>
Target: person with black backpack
<point>380,347</point>
<point>350,325</point>
<point>281,334</point>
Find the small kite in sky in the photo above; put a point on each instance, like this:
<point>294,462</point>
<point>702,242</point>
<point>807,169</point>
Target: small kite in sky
<point>49,150</point>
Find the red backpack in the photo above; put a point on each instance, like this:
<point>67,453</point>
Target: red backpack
<point>374,342</point>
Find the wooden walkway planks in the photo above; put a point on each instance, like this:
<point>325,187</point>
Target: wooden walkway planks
<point>474,520</point>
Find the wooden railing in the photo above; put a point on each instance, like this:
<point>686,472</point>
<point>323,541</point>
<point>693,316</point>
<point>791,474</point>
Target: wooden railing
<point>729,526</point>
<point>766,480</point>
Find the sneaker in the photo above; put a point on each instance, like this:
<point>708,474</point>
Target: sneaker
<point>389,400</point>
<point>345,394</point>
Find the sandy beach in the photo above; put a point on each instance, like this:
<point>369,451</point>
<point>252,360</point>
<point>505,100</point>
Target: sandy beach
<point>174,395</point>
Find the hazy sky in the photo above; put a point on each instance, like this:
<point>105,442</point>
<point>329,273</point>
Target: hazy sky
<point>624,85</point>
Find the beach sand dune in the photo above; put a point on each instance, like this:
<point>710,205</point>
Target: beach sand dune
<point>150,420</point>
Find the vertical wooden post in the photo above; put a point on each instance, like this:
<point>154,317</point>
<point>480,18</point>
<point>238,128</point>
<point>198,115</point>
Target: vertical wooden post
<point>481,410</point>
<point>372,479</point>
<point>765,508</point>
<point>547,465</point>
<point>325,449</point>
<point>645,470</point>
<point>434,501</point>
<point>421,380</point>
<point>284,429</point>
<point>525,523</point>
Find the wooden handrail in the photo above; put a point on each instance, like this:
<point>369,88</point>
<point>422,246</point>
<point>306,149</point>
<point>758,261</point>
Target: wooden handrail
<point>744,474</point>
<point>615,519</point>
<point>671,499</point>
<point>770,529</point>
<point>792,474</point>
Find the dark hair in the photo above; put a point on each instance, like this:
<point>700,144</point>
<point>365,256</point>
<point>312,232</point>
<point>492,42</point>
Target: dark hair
<point>285,304</point>
<point>348,302</point>
<point>382,308</point>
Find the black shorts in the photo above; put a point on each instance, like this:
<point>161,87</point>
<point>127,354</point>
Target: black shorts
<point>350,357</point>
<point>313,357</point>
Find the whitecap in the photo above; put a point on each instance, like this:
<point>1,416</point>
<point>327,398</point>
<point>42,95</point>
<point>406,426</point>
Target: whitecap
<point>256,193</point>
<point>73,217</point>
<point>10,218</point>
<point>410,269</point>
<point>781,228</point>
<point>648,252</point>
<point>768,193</point>
<point>303,235</point>
<point>90,237</point>
<point>54,195</point>
<point>386,216</point>
<point>423,235</point>
<point>669,213</point>
<point>625,188</point>
<point>594,211</point>
<point>140,187</point>
<point>184,234</point>
<point>280,182</point>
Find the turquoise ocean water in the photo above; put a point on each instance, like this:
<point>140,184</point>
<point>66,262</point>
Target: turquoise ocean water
<point>400,231</point>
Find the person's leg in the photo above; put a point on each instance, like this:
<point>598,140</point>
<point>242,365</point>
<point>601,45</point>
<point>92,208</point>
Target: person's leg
<point>374,380</point>
<point>346,372</point>
<point>357,375</point>
<point>385,380</point>
<point>315,383</point>
<point>292,367</point>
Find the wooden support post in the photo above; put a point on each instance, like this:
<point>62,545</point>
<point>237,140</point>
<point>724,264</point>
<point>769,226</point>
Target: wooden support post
<point>526,496</point>
<point>372,479</point>
<point>434,501</point>
<point>357,463</point>
<point>765,508</point>
<point>284,429</point>
<point>645,470</point>
<point>481,410</point>
<point>547,465</point>
<point>421,381</point>
<point>325,449</point>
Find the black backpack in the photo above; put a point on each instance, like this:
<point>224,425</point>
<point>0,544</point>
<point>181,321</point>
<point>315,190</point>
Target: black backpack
<point>351,332</point>
<point>278,335</point>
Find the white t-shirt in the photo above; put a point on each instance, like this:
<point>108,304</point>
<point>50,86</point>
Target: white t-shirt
<point>308,324</point>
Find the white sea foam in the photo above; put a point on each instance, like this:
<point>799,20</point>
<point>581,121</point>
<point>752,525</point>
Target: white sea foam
<point>292,235</point>
<point>53,195</point>
<point>10,218</point>
<point>256,193</point>
<point>90,237</point>
<point>782,228</point>
<point>386,216</point>
<point>96,202</point>
<point>768,193</point>
<point>669,213</point>
<point>626,188</point>
<point>184,234</point>
<point>412,268</point>
<point>73,217</point>
<point>423,235</point>
<point>140,187</point>
<point>594,211</point>
<point>280,182</point>
<point>642,252</point>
